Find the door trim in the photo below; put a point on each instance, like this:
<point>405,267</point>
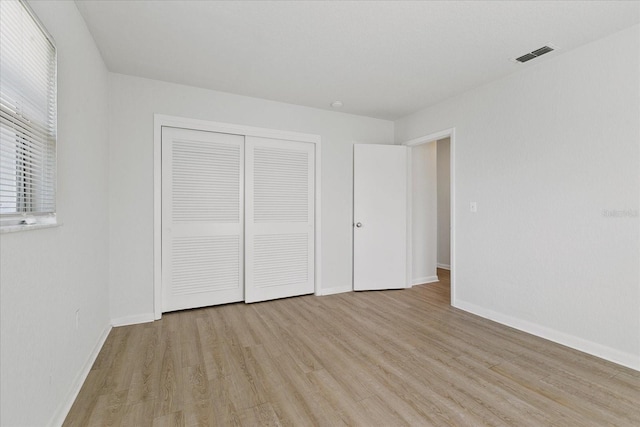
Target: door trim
<point>162,120</point>
<point>450,133</point>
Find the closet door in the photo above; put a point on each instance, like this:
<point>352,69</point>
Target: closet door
<point>279,227</point>
<point>202,218</point>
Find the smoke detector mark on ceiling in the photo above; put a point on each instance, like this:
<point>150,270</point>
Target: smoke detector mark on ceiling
<point>536,53</point>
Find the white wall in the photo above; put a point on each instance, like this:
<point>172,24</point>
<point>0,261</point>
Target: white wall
<point>133,103</point>
<point>545,152</point>
<point>46,275</point>
<point>444,202</point>
<point>424,221</point>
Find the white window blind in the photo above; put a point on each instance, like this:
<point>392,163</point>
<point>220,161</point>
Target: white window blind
<point>27,114</point>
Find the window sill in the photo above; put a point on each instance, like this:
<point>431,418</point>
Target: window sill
<point>24,227</point>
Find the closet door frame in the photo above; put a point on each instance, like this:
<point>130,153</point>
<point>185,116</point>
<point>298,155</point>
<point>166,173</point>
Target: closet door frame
<point>160,121</point>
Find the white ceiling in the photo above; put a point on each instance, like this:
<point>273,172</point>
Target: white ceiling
<point>381,59</point>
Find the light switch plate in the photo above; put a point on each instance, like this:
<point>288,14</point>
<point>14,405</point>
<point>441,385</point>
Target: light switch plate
<point>473,206</point>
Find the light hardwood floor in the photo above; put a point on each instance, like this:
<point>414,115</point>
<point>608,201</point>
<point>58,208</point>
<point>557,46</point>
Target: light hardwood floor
<point>385,358</point>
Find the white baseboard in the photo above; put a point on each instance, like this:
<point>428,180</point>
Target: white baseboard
<point>423,280</point>
<point>133,320</point>
<point>611,354</point>
<point>444,266</point>
<point>63,410</point>
<point>335,290</point>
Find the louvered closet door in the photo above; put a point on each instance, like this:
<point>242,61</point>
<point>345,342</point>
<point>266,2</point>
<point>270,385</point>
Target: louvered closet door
<point>202,218</point>
<point>279,228</point>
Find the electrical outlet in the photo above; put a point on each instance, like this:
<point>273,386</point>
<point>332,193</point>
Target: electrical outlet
<point>473,207</point>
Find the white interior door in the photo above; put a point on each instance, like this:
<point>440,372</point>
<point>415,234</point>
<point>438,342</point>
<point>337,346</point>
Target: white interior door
<point>202,218</point>
<point>380,217</point>
<point>279,227</point>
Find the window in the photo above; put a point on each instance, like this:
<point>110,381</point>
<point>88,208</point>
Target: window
<point>27,118</point>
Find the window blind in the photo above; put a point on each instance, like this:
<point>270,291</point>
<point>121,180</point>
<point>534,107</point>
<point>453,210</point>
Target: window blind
<point>27,113</point>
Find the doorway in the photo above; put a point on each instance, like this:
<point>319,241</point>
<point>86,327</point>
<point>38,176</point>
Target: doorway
<point>432,209</point>
<point>443,182</point>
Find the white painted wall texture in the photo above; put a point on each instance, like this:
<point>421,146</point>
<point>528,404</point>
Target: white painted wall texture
<point>48,274</point>
<point>547,153</point>
<point>133,102</point>
<point>424,220</point>
<point>444,202</point>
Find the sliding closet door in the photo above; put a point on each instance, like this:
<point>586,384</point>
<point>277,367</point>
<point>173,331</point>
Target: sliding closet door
<point>279,227</point>
<point>202,218</point>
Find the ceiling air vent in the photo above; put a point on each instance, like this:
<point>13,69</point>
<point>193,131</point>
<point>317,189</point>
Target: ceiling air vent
<point>538,52</point>
<point>525,58</point>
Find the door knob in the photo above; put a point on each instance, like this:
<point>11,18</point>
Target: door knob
<point>358,225</point>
